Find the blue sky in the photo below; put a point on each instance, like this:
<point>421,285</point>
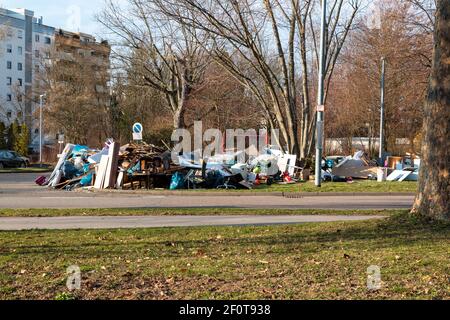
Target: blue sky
<point>63,14</point>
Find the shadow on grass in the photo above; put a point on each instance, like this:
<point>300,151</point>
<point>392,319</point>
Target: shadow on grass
<point>401,230</point>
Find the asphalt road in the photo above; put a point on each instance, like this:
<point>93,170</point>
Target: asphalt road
<point>66,223</point>
<point>18,191</point>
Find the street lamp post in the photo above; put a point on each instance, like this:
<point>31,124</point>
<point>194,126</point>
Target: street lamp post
<point>383,74</point>
<point>41,104</point>
<point>321,97</point>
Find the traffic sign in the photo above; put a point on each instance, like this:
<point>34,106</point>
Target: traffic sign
<point>138,128</point>
<point>137,131</point>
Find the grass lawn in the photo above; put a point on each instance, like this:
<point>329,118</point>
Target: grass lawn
<point>184,212</point>
<point>309,261</point>
<point>26,170</point>
<point>357,186</point>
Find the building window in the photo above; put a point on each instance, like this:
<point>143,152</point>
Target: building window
<point>9,114</point>
<point>9,48</point>
<point>37,38</point>
<point>36,53</point>
<point>20,82</point>
<point>37,69</point>
<point>20,50</point>
<point>8,81</point>
<point>19,98</point>
<point>8,97</point>
<point>20,34</point>
<point>48,40</point>
<point>8,65</point>
<point>19,66</point>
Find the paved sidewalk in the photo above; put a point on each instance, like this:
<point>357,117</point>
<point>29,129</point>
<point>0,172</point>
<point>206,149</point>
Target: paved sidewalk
<point>65,223</point>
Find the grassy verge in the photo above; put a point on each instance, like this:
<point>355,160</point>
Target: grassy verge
<point>356,186</point>
<point>311,261</point>
<point>184,212</point>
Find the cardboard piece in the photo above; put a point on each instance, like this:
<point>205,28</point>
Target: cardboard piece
<point>398,174</point>
<point>355,169</point>
<point>287,162</point>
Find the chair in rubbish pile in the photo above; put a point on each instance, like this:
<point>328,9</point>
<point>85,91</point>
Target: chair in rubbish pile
<point>228,178</point>
<point>227,184</point>
<point>328,167</point>
<point>189,179</point>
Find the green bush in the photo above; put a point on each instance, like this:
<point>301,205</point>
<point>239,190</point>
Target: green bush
<point>3,143</point>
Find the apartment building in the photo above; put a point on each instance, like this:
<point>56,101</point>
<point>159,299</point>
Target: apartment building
<point>23,35</point>
<point>26,45</point>
<point>96,55</point>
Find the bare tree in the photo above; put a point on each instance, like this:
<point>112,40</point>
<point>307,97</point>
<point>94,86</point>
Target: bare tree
<point>354,108</point>
<point>423,14</point>
<point>433,197</point>
<point>160,51</point>
<point>260,44</point>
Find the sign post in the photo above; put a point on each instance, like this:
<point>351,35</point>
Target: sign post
<point>137,131</point>
<point>321,97</point>
<point>60,142</point>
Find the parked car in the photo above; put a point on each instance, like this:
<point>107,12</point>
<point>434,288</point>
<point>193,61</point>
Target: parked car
<point>11,159</point>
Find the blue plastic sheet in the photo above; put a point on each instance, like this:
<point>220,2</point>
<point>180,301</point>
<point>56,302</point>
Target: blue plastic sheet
<point>177,181</point>
<point>87,180</point>
<point>69,170</point>
<point>80,151</point>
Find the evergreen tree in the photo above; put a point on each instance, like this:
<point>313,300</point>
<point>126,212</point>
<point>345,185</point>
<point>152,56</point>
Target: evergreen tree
<point>23,140</point>
<point>13,135</point>
<point>3,144</point>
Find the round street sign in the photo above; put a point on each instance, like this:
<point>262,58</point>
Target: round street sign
<point>138,128</point>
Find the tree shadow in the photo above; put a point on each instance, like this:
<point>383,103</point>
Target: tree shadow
<point>403,229</point>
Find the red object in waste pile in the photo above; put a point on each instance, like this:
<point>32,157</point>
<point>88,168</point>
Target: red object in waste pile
<point>286,177</point>
<point>41,180</point>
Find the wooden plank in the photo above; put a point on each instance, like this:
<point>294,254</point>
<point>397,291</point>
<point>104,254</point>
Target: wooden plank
<point>120,179</point>
<point>113,165</point>
<point>56,179</point>
<point>64,155</point>
<point>100,179</point>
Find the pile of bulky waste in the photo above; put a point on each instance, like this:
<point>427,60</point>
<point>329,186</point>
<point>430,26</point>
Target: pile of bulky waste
<point>359,166</point>
<point>141,165</point>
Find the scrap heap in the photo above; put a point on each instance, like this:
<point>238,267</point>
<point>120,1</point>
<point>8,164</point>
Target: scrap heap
<point>145,164</point>
<point>142,165</point>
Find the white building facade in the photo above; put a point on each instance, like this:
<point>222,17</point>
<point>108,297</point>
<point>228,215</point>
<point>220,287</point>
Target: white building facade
<point>25,39</point>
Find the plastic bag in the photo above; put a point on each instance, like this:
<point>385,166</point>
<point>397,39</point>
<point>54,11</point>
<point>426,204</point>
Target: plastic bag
<point>177,181</point>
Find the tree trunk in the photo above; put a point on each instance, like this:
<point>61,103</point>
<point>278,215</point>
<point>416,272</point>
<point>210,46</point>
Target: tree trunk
<point>178,118</point>
<point>433,197</point>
